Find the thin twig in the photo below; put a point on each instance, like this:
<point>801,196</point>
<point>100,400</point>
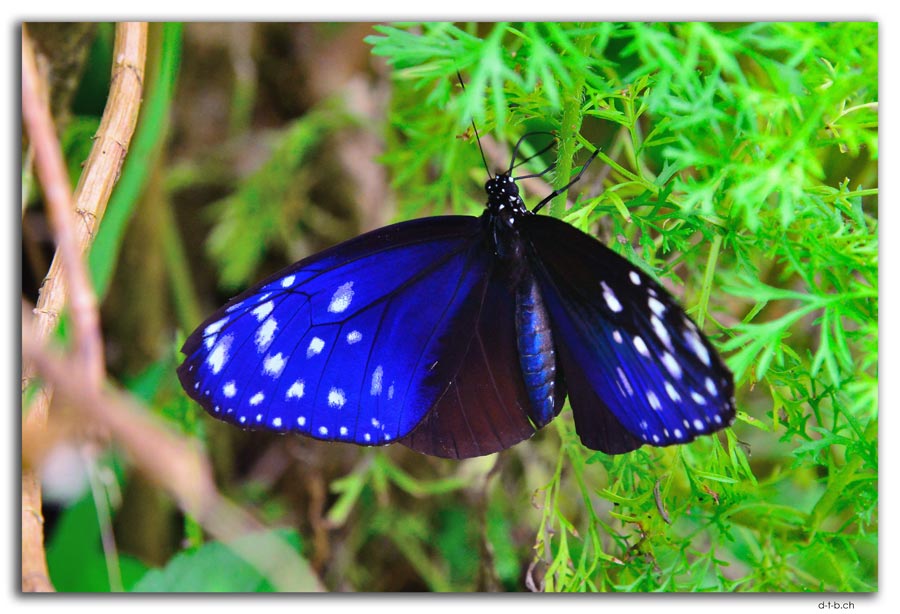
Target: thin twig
<point>101,170</point>
<point>51,170</point>
<point>174,463</point>
<point>73,236</point>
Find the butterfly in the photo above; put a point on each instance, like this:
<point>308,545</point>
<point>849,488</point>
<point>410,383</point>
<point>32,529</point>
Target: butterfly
<point>460,336</point>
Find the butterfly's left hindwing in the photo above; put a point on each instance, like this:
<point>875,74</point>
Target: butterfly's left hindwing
<point>487,407</point>
<point>353,344</point>
<point>632,360</point>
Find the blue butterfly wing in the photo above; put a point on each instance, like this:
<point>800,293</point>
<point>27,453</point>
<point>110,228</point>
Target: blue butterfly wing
<point>637,369</point>
<point>356,343</point>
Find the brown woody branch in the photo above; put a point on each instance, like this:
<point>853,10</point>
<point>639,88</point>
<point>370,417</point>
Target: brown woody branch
<point>173,462</point>
<point>95,185</point>
<point>74,222</point>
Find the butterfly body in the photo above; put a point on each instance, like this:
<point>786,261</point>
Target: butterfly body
<point>460,336</point>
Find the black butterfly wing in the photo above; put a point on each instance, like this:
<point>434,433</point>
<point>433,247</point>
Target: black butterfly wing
<point>637,368</point>
<point>356,343</point>
<point>486,408</point>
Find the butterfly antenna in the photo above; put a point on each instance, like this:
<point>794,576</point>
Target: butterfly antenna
<point>475,128</point>
<point>483,159</point>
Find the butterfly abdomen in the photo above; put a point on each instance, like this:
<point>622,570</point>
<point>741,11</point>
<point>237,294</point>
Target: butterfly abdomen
<point>536,354</point>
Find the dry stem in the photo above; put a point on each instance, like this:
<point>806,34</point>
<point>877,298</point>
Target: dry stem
<point>73,235</point>
<point>173,462</point>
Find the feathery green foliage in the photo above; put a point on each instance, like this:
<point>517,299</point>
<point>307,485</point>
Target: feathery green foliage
<point>742,169</point>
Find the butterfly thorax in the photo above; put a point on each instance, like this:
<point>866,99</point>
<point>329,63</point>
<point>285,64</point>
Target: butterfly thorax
<point>504,200</point>
<point>504,209</point>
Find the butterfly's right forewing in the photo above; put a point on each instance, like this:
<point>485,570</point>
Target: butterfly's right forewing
<point>353,344</point>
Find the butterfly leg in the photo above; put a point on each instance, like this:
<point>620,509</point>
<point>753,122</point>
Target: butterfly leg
<point>513,164</point>
<point>572,182</point>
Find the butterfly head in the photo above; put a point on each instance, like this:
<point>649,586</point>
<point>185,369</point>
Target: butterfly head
<point>504,199</point>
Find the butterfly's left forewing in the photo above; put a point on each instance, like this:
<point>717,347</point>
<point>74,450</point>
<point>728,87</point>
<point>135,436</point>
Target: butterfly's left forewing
<point>352,344</point>
<point>631,358</point>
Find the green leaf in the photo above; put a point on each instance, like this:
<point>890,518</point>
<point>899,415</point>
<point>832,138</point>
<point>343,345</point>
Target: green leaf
<point>214,567</point>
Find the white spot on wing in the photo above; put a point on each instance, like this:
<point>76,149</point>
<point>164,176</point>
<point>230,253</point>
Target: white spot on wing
<point>288,281</point>
<point>265,334</point>
<point>673,394</point>
<point>617,336</point>
<point>315,346</point>
<point>343,430</point>
<point>698,398</point>
<point>635,278</point>
<point>671,365</point>
<point>341,298</point>
<point>655,306</point>
<point>257,398</point>
<point>295,391</point>
<point>610,298</point>
<point>219,356</point>
<point>276,422</point>
<point>336,398</point>
<point>353,336</point>
<point>641,346</point>
<point>711,387</point>
<point>263,311</point>
<point>698,347</point>
<point>660,329</point>
<point>301,420</point>
<point>624,380</point>
<point>323,430</point>
<point>654,400</point>
<point>375,390</point>
<point>273,365</point>
<point>229,389</point>
<point>698,424</point>
<point>215,327</point>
